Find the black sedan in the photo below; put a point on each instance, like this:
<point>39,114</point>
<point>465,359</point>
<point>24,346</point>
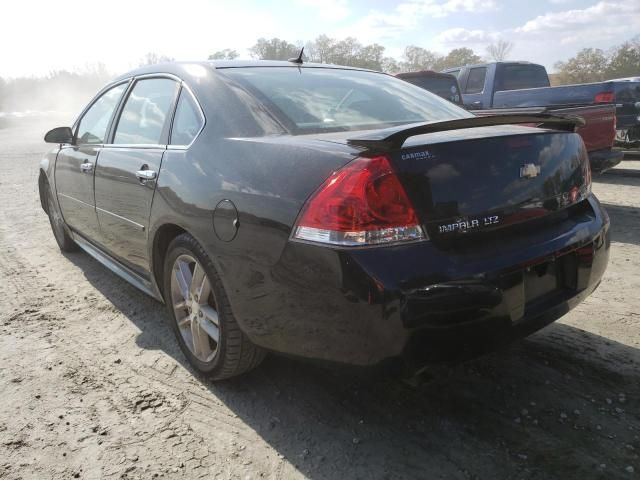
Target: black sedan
<point>326,212</point>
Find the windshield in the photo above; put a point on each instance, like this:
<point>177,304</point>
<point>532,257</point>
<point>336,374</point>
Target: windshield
<point>310,100</point>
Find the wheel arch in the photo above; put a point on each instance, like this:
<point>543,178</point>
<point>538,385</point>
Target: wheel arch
<point>43,181</point>
<point>164,235</point>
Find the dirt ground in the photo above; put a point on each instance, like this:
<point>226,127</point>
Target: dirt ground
<point>92,384</point>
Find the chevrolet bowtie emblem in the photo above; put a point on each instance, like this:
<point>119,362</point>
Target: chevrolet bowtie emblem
<point>529,170</point>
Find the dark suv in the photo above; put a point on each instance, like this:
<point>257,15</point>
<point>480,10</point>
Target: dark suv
<point>444,85</point>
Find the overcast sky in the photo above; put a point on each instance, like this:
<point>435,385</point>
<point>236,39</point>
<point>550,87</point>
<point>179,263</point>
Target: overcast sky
<point>39,36</point>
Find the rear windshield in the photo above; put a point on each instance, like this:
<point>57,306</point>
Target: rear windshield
<point>445,87</point>
<point>515,77</point>
<point>310,100</point>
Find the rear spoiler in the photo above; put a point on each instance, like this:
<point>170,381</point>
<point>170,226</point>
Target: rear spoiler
<point>394,137</point>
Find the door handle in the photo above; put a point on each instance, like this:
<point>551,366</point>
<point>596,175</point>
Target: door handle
<point>86,167</point>
<point>144,175</point>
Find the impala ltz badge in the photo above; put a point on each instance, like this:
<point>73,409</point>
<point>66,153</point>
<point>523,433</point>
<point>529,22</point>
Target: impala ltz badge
<point>529,170</point>
<point>464,225</point>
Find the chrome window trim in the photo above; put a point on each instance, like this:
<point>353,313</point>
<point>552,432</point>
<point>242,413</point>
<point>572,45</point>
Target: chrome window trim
<point>203,120</point>
<point>130,81</point>
<point>158,75</point>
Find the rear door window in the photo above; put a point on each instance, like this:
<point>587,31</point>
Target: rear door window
<point>516,77</point>
<point>188,120</point>
<point>92,128</point>
<point>475,82</point>
<point>143,120</point>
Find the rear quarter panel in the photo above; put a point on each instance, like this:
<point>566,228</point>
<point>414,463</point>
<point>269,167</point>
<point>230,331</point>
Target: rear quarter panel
<point>268,179</point>
<point>600,131</point>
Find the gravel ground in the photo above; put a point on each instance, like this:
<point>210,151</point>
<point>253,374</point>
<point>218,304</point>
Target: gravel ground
<point>94,386</point>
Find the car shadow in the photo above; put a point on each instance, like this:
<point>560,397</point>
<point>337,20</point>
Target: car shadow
<point>564,401</point>
<point>619,176</point>
<point>625,223</point>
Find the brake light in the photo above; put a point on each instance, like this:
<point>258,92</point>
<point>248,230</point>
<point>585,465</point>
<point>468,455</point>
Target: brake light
<point>363,203</point>
<point>605,97</point>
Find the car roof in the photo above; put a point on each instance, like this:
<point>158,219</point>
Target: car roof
<point>181,69</point>
<point>485,64</point>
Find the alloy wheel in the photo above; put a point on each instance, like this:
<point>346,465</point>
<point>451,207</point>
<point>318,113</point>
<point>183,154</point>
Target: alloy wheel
<point>194,308</point>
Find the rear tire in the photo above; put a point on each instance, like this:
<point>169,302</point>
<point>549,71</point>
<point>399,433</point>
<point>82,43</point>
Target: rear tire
<point>60,229</point>
<point>201,315</point>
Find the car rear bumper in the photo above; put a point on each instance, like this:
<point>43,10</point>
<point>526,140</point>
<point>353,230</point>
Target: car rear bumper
<point>602,160</point>
<point>424,302</point>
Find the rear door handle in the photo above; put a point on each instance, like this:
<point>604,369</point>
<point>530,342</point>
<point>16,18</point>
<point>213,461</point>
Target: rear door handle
<point>144,175</point>
<point>86,167</point>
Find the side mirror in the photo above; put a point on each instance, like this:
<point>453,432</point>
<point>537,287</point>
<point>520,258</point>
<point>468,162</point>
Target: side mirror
<point>59,135</point>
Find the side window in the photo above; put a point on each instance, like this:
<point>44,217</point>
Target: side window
<point>187,122</point>
<point>145,112</point>
<point>93,126</point>
<point>475,82</point>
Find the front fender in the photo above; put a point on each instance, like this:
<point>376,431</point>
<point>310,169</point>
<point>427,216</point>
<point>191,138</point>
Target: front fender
<point>47,176</point>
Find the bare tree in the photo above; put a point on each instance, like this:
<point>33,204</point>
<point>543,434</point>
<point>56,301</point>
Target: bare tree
<point>500,50</point>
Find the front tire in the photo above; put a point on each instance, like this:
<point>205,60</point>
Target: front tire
<point>60,229</point>
<point>201,315</point>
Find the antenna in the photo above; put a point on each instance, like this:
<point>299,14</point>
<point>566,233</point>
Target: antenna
<point>297,60</point>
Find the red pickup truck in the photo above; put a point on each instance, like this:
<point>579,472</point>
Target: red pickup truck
<point>598,134</point>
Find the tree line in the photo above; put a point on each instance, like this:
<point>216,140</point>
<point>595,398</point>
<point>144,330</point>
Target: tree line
<point>596,65</point>
<point>350,52</point>
<point>588,65</point>
<point>70,90</point>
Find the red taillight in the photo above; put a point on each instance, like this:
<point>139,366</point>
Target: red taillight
<point>605,97</point>
<point>363,203</point>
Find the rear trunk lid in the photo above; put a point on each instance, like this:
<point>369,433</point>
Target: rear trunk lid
<point>464,182</point>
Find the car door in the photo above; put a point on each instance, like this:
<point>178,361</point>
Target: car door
<point>126,174</point>
<point>75,164</point>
